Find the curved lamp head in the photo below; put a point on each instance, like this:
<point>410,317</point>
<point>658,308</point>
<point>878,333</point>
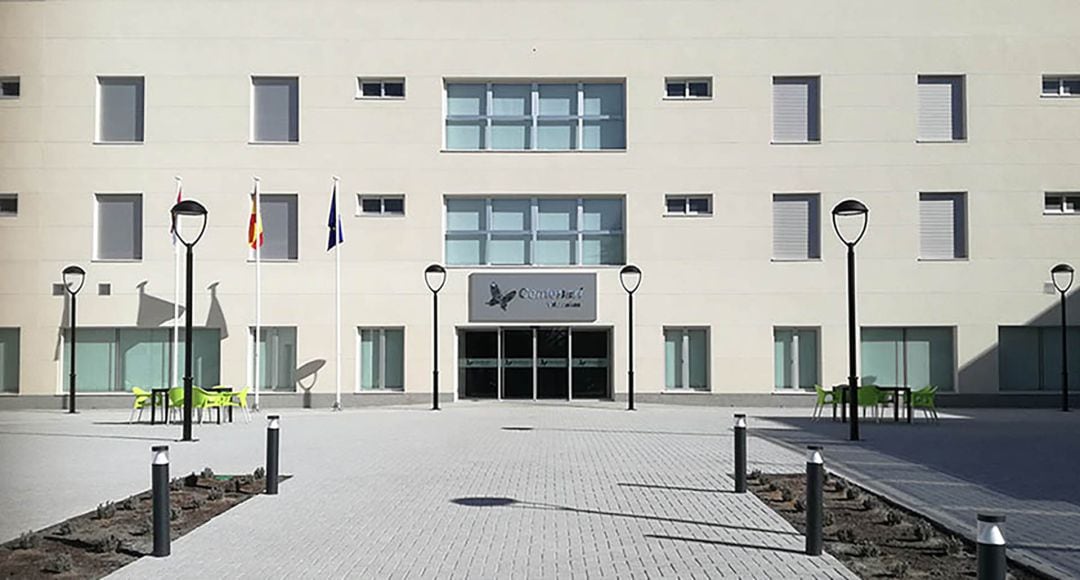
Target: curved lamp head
<point>435,277</point>
<point>850,210</point>
<point>74,276</point>
<point>191,212</point>
<point>1062,275</point>
<point>630,278</point>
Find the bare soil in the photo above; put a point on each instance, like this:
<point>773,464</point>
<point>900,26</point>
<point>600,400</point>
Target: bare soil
<point>873,537</point>
<point>94,544</point>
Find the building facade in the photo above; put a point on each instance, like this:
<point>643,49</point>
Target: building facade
<point>535,149</point>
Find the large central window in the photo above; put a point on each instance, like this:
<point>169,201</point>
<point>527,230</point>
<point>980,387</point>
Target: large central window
<point>519,116</point>
<point>537,231</point>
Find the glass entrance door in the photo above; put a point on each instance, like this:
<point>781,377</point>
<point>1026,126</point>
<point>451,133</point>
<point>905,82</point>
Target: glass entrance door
<point>553,363</point>
<point>517,363</point>
<point>590,376</point>
<point>478,365</point>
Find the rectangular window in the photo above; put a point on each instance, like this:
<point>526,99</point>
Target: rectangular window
<point>117,359</point>
<point>118,227</point>
<point>796,227</point>
<point>686,359</point>
<point>796,109</point>
<point>1029,358</point>
<point>915,357</point>
<point>9,87</point>
<point>534,231</point>
<point>942,226</point>
<point>381,205</point>
<point>1061,86</point>
<point>120,109</point>
<point>382,359</point>
<point>535,116</point>
<point>275,109</point>
<point>392,88</point>
<point>9,360</point>
<point>280,223</point>
<point>796,358</point>
<point>1061,202</point>
<point>678,204</point>
<point>9,204</point>
<point>941,108</point>
<point>688,88</point>
<point>277,358</point>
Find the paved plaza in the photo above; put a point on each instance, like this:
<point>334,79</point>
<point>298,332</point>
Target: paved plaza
<point>587,491</point>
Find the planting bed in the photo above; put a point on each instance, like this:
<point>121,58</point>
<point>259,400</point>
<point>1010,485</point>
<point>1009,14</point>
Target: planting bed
<point>96,543</point>
<point>873,537</point>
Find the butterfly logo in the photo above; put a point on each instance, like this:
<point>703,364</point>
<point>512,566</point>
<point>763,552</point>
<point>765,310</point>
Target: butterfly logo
<point>498,298</point>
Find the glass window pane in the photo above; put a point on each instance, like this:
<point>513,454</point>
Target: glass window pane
<point>95,364</point>
<point>466,99</point>
<point>782,356</point>
<point>676,89</point>
<point>808,358</point>
<point>558,215</point>
<point>675,204</point>
<point>144,358</point>
<point>1050,85</point>
<point>1070,86</point>
<point>278,361</point>
<point>9,360</point>
<point>510,215</point>
<point>465,215</point>
<point>394,344</point>
<point>119,227</point>
<point>557,100</point>
<point>279,217</point>
<point>555,250</point>
<point>698,88</point>
<point>602,249</point>
<point>371,205</point>
<point>121,109</point>
<point>699,358</point>
<point>512,100</point>
<point>277,114</point>
<point>603,135</point>
<point>467,135</point>
<point>465,250</point>
<point>882,356</point>
<point>698,205</point>
<point>673,359</point>
<point>394,88</point>
<point>1018,358</point>
<point>395,205</point>
<point>556,135</point>
<point>508,250</point>
<point>603,99</point>
<point>601,215</point>
<point>513,136</point>
<point>205,356</point>
<point>929,358</point>
<point>369,359</point>
<point>371,89</point>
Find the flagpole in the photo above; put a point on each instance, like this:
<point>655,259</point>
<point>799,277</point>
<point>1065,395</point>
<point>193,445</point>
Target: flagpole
<point>337,294</point>
<point>176,300</point>
<point>258,292</point>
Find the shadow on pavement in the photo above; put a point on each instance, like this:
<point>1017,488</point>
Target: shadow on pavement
<point>723,543</point>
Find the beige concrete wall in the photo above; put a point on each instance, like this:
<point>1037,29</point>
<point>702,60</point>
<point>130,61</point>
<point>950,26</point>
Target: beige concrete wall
<point>197,59</point>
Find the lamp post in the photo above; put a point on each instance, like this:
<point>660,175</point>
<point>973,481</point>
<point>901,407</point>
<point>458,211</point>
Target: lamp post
<point>1062,275</point>
<point>194,213</point>
<point>435,277</point>
<point>630,278</point>
<point>74,276</point>
<point>851,208</point>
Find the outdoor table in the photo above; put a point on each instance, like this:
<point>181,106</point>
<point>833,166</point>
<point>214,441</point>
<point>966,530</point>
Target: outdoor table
<point>896,391</point>
<point>154,393</point>
<point>222,390</point>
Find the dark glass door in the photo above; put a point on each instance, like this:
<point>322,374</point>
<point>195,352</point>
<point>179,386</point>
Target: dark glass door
<point>553,361</point>
<point>517,363</point>
<point>590,364</point>
<point>478,367</point>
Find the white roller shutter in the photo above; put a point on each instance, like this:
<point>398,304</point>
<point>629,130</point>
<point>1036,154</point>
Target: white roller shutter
<point>795,109</point>
<point>942,234</point>
<point>940,108</point>
<point>795,228</point>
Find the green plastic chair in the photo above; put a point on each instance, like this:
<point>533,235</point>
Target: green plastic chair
<point>870,397</point>
<point>823,398</point>
<point>201,399</point>
<point>142,398</point>
<point>240,401</point>
<point>176,401</point>
<point>923,399</point>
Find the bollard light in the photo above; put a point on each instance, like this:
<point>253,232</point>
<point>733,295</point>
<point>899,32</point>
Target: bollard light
<point>815,500</point>
<point>740,453</point>
<point>273,442</point>
<point>990,547</point>
<point>159,473</point>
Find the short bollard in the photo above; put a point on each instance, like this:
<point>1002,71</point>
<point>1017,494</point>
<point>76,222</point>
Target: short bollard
<point>272,441</point>
<point>159,471</point>
<point>815,501</point>
<point>740,453</point>
<point>990,548</point>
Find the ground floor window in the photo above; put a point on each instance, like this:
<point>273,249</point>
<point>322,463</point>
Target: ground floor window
<point>277,358</point>
<point>9,360</point>
<point>796,358</point>
<point>686,358</point>
<point>1029,358</point>
<point>117,359</point>
<point>914,357</point>
<point>382,359</point>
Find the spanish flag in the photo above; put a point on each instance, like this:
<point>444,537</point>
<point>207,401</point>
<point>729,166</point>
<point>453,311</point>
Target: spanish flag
<point>255,229</point>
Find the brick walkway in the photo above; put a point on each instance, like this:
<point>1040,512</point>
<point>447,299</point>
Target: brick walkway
<point>590,491</point>
<point>1024,464</point>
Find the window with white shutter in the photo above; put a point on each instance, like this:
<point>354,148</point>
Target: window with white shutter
<point>942,226</point>
<point>120,110</point>
<point>796,110</point>
<point>275,115</point>
<point>796,231</point>
<point>118,227</point>
<point>941,108</point>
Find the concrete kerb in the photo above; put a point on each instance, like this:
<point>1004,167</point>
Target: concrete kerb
<point>964,529</point>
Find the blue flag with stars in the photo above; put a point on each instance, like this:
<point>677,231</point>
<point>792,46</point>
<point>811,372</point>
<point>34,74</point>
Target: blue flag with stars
<point>336,235</point>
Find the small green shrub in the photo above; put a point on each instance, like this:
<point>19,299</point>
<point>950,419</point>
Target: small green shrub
<point>868,550</point>
<point>260,473</point>
<point>852,493</point>
<point>216,493</point>
<point>126,504</point>
<point>846,535</point>
<point>105,510</point>
<point>57,563</point>
<point>207,473</point>
<point>922,532</point>
<point>65,529</point>
<point>893,518</point>
<point>756,474</point>
<point>786,494</point>
<point>828,519</point>
<point>800,505</point>
<point>898,569</point>
<point>28,541</point>
<point>869,503</point>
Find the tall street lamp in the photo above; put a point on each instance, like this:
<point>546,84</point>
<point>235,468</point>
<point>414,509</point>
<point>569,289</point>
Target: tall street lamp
<point>435,277</point>
<point>630,278</point>
<point>852,211</point>
<point>194,213</point>
<point>74,276</point>
<point>1062,275</point>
